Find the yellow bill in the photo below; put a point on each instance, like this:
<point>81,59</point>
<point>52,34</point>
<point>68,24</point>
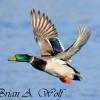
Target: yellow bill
<point>12,59</point>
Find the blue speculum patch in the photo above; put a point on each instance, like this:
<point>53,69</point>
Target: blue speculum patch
<point>56,45</point>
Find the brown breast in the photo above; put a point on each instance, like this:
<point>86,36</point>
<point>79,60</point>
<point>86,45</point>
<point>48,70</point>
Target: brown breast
<point>39,64</point>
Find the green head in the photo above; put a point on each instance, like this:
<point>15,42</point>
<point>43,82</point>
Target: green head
<point>21,58</point>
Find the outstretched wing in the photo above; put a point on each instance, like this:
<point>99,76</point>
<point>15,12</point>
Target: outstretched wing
<point>76,46</point>
<point>45,34</point>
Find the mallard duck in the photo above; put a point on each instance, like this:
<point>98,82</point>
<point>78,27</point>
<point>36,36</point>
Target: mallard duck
<point>54,59</point>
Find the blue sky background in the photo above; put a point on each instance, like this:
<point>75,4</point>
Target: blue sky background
<point>16,36</point>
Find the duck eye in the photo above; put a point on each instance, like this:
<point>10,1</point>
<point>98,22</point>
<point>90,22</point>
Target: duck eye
<point>27,55</point>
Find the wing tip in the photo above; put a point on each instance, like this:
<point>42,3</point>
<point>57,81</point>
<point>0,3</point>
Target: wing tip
<point>84,33</point>
<point>84,30</point>
<point>42,24</point>
<point>32,11</point>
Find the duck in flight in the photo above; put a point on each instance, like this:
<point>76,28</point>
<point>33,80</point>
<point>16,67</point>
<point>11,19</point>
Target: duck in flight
<point>54,60</point>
